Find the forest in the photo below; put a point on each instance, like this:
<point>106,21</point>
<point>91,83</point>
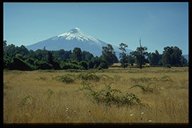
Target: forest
<point>20,58</point>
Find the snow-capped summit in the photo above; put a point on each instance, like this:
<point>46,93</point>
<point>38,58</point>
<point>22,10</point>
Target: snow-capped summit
<point>75,30</point>
<point>72,31</point>
<point>71,39</point>
<point>77,34</point>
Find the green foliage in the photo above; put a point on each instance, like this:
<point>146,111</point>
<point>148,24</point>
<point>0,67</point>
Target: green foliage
<point>154,58</point>
<point>50,57</point>
<point>55,65</point>
<point>61,55</point>
<point>41,55</point>
<point>77,54</point>
<point>103,65</point>
<point>89,76</point>
<point>95,62</point>
<point>86,56</point>
<point>19,64</point>
<point>43,65</point>
<point>111,96</point>
<point>78,60</point>
<point>123,56</point>
<point>124,60</point>
<point>108,54</point>
<point>68,65</point>
<point>131,59</point>
<point>6,61</point>
<point>184,61</point>
<point>30,61</point>
<point>84,65</point>
<point>172,56</point>
<point>139,55</point>
<point>66,78</point>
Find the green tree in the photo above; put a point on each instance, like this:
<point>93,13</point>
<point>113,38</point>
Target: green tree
<point>154,58</point>
<point>86,56</point>
<point>172,56</point>
<point>123,56</point>
<point>131,59</point>
<point>50,57</point>
<point>18,64</point>
<point>77,54</point>
<point>41,55</point>
<point>184,61</point>
<point>139,55</point>
<point>84,65</point>
<point>108,54</point>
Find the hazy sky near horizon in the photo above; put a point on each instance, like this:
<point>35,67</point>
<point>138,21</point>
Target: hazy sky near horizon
<point>157,24</point>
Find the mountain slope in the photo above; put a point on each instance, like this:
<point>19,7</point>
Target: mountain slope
<point>71,39</point>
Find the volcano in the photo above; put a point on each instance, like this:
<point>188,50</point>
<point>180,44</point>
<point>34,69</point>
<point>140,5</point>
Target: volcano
<point>71,39</point>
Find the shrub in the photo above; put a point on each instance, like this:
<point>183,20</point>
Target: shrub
<point>89,76</point>
<point>55,65</point>
<point>103,65</point>
<point>84,65</point>
<point>19,64</point>
<point>71,66</point>
<point>66,79</point>
<point>168,66</point>
<point>112,96</point>
<point>44,65</point>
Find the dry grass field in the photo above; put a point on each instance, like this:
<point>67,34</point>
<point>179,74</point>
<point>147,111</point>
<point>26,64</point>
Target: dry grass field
<point>149,95</point>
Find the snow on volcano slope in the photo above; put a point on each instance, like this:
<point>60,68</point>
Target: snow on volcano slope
<point>71,39</point>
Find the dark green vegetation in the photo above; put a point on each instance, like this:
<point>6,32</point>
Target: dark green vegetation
<point>20,58</point>
<point>110,96</point>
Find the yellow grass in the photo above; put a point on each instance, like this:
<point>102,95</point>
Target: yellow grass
<point>38,97</point>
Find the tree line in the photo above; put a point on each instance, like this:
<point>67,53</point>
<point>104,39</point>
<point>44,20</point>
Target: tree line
<point>20,58</point>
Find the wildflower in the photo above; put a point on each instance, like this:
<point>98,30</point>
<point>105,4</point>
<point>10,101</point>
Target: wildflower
<point>149,120</point>
<point>142,113</point>
<point>67,109</point>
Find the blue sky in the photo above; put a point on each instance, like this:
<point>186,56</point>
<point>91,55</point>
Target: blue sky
<point>157,24</point>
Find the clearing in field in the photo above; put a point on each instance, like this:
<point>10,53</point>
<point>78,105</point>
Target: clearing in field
<point>150,95</point>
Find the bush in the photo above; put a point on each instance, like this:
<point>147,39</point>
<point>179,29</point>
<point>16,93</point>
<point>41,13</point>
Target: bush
<point>56,65</point>
<point>71,66</point>
<point>103,65</point>
<point>6,61</point>
<point>44,65</point>
<point>168,65</point>
<point>112,96</point>
<point>18,64</point>
<point>66,78</point>
<point>84,64</point>
<point>89,76</point>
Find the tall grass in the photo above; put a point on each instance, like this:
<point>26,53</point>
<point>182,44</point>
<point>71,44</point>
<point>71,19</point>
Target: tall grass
<point>110,96</point>
<point>40,97</point>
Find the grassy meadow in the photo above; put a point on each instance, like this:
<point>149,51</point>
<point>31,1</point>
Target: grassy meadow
<point>115,95</point>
